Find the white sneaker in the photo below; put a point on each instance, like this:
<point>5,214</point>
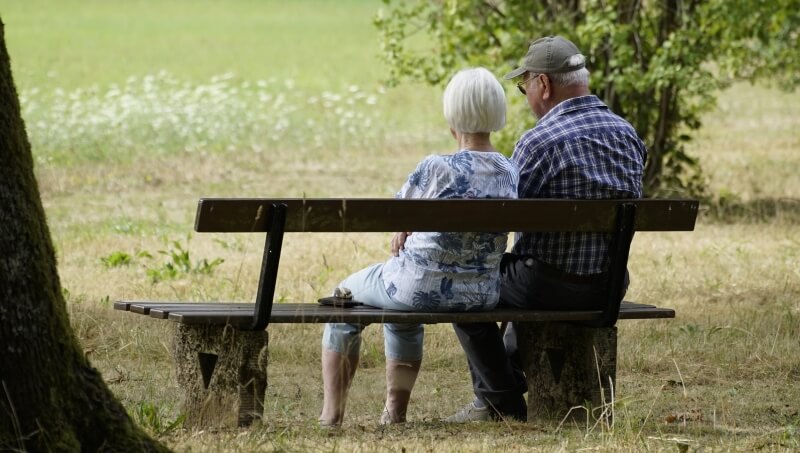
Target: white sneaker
<point>470,413</point>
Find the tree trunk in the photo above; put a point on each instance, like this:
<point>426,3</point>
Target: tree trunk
<point>668,115</point>
<point>51,398</point>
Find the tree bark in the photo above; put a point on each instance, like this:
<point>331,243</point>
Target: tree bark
<point>51,398</point>
<point>667,113</point>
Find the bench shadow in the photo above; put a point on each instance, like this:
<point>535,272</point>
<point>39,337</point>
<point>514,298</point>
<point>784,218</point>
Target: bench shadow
<point>728,210</point>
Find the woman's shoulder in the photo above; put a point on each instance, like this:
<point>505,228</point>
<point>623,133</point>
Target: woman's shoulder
<point>467,161</point>
<point>446,163</point>
<point>498,161</point>
<point>465,156</point>
<point>432,161</point>
<point>497,156</point>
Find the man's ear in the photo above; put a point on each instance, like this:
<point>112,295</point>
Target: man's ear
<point>547,87</point>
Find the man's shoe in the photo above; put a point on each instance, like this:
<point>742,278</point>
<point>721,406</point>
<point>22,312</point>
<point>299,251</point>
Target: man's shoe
<point>470,413</point>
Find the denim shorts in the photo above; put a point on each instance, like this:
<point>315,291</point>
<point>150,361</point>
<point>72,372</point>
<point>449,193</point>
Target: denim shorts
<point>401,341</point>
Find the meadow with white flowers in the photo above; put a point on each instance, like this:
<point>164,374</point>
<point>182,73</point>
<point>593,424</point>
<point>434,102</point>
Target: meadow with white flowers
<point>160,114</point>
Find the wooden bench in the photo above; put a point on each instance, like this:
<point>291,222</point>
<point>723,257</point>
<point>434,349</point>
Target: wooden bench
<point>220,349</point>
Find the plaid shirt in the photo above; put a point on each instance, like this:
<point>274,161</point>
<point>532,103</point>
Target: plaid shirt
<point>579,150</point>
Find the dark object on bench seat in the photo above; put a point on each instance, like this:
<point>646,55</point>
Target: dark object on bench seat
<point>339,302</point>
<point>569,356</point>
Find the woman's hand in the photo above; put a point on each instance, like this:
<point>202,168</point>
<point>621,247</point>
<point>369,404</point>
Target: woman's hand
<point>399,242</point>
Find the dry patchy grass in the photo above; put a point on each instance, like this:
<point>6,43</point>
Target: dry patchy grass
<point>721,376</point>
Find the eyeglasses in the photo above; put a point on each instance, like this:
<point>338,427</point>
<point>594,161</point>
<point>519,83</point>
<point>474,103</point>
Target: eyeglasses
<point>521,85</point>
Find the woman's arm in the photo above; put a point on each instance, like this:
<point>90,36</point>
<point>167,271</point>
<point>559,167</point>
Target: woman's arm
<point>417,185</point>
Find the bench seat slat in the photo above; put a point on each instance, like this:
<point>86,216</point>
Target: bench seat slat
<point>163,312</point>
<point>145,308</point>
<point>240,314</point>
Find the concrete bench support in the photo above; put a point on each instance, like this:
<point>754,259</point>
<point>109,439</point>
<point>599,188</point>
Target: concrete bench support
<point>568,366</point>
<point>222,372</point>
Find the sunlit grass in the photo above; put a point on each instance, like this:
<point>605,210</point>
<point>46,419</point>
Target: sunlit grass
<point>748,146</point>
<point>73,44</point>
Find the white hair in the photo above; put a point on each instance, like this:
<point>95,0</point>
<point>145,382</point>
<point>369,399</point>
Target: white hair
<point>578,77</point>
<point>474,101</point>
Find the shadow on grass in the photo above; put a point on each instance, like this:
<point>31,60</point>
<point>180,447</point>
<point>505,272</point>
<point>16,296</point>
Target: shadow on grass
<point>727,209</point>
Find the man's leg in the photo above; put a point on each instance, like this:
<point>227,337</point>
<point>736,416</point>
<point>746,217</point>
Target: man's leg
<point>525,285</point>
<point>515,291</point>
<point>495,383</point>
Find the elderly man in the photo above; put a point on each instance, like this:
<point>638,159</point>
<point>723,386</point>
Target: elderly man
<point>579,149</point>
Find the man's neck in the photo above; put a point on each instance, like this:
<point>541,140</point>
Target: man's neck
<point>564,93</point>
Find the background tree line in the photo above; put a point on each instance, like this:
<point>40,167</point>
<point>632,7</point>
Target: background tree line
<point>660,64</point>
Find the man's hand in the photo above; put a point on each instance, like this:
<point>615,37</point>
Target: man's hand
<point>399,242</point>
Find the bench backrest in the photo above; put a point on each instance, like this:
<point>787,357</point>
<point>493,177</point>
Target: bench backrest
<point>619,218</point>
<point>243,215</point>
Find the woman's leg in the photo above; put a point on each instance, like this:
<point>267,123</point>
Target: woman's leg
<point>403,345</point>
<point>340,345</point>
<point>400,378</point>
<point>337,373</point>
<point>340,348</point>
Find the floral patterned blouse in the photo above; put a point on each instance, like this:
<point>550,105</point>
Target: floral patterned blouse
<point>452,271</point>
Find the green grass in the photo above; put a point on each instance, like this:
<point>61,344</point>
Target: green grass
<point>722,376</point>
<point>78,43</point>
<point>125,80</point>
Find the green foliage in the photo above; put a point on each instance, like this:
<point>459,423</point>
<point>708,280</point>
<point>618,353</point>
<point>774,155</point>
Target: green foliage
<point>658,64</point>
<point>179,263</point>
<point>119,258</point>
<point>151,418</point>
<point>116,259</point>
<point>791,432</point>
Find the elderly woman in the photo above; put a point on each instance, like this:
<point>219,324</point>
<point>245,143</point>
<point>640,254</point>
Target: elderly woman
<point>430,271</point>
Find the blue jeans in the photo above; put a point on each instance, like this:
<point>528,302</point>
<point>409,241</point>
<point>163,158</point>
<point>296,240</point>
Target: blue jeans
<point>497,376</point>
<point>401,341</point>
